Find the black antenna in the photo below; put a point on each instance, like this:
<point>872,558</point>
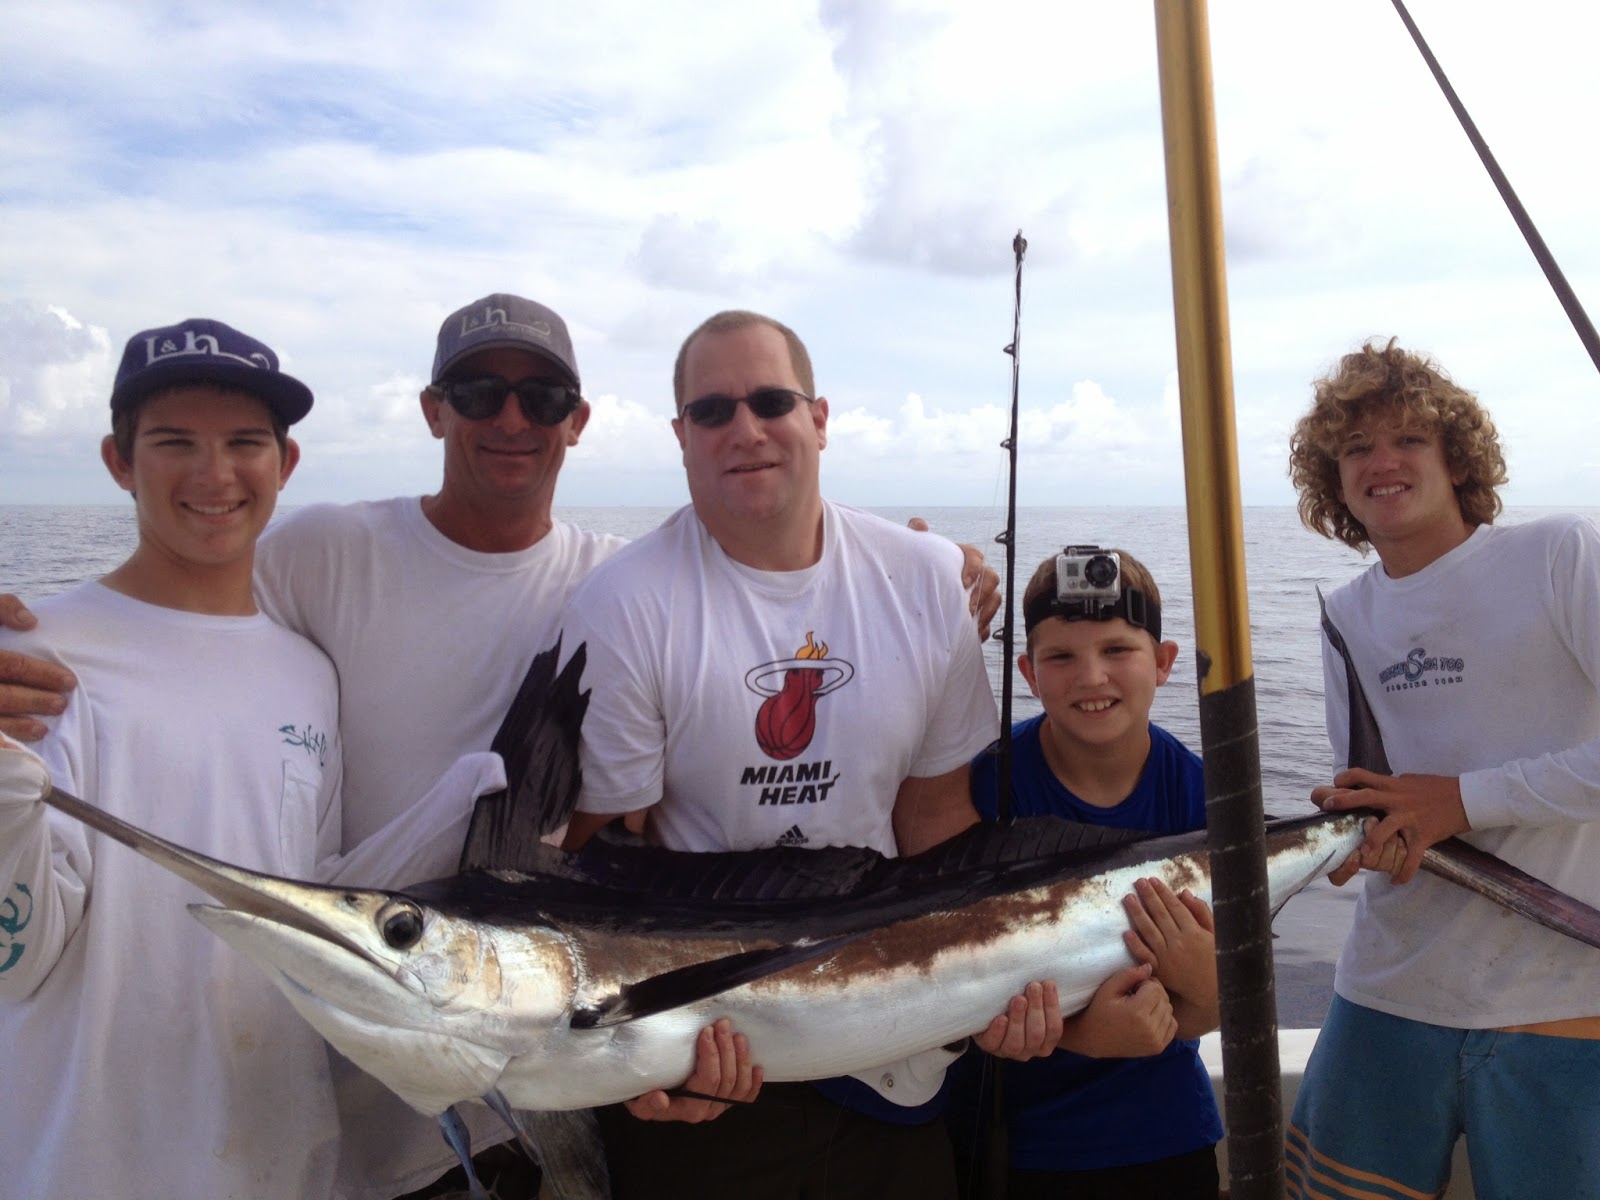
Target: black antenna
<point>1019,247</point>
<point>1552,272</point>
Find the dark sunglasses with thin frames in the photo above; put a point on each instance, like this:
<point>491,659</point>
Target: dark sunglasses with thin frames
<point>542,401</point>
<point>767,403</point>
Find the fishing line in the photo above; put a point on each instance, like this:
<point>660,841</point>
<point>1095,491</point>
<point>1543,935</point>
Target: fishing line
<point>1552,272</point>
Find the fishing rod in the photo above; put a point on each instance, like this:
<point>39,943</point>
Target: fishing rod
<point>1552,272</point>
<point>1230,750</point>
<point>1008,539</point>
<point>995,1157</point>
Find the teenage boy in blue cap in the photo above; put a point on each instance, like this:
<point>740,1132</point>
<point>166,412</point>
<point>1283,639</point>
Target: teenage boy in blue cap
<point>143,1056</point>
<point>1124,1107</point>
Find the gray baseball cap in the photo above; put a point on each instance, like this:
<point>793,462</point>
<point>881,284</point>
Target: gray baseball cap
<point>504,321</point>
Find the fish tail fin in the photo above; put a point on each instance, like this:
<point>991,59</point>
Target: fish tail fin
<point>1491,877</point>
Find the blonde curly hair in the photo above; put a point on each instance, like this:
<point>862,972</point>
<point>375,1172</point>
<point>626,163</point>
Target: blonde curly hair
<point>1413,388</point>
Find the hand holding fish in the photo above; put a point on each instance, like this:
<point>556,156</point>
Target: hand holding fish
<point>722,1068</point>
<point>1031,1026</point>
<point>1130,1016</point>
<point>1176,935</point>
<point>1388,858</point>
<point>1419,811</point>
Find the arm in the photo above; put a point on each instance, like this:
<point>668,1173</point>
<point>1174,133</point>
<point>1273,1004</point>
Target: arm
<point>933,809</point>
<point>29,687</point>
<point>934,801</point>
<point>425,841</point>
<point>1129,1016</point>
<point>1175,935</point>
<point>1419,811</point>
<point>722,1068</point>
<point>46,878</point>
<point>981,581</point>
<point>583,826</point>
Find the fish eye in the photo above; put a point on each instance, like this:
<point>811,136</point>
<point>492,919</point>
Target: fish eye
<point>401,925</point>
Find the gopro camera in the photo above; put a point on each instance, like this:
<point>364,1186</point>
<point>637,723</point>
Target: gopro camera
<point>1089,574</point>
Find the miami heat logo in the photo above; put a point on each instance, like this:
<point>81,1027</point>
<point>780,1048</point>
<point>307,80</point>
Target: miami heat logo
<point>792,686</point>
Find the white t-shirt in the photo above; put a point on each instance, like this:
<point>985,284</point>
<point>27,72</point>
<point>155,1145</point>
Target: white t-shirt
<point>776,708</point>
<point>1486,665</point>
<point>143,1056</point>
<point>431,641</point>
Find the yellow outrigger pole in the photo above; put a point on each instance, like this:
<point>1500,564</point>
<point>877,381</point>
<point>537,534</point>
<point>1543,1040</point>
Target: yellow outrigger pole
<point>1228,731</point>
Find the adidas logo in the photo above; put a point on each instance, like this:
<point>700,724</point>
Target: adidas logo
<point>792,837</point>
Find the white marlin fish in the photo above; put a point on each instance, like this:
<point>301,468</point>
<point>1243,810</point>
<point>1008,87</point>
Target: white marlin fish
<point>549,981</point>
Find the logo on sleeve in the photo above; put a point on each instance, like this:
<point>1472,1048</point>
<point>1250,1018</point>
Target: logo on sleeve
<point>16,910</point>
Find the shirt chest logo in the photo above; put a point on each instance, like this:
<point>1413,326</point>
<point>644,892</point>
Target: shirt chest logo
<point>787,718</point>
<point>1419,669</point>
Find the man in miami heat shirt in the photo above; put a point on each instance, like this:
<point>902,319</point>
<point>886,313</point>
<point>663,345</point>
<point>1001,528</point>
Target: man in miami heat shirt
<point>767,669</point>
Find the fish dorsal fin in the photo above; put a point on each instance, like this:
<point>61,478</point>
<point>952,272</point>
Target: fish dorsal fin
<point>791,873</point>
<point>775,874</point>
<point>999,845</point>
<point>538,741</point>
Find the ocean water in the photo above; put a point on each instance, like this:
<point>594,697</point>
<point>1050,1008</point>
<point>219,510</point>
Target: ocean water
<point>45,549</point>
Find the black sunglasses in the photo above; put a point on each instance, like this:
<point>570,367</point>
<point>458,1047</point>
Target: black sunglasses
<point>543,402</point>
<point>767,403</point>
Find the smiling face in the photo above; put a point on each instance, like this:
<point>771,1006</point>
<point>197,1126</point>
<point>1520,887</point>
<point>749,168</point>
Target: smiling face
<point>205,473</point>
<point>1096,679</point>
<point>1394,480</point>
<point>502,464</point>
<point>754,481</point>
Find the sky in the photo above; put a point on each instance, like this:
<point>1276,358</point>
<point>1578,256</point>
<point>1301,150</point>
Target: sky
<point>336,178</point>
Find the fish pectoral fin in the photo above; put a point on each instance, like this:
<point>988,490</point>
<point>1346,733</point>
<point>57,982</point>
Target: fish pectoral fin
<point>455,1134</point>
<point>702,980</point>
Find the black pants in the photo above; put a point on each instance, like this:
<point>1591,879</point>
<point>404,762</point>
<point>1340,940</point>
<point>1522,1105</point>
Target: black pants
<point>791,1144</point>
<point>504,1170</point>
<point>1191,1176</point>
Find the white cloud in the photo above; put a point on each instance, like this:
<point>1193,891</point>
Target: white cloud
<point>56,385</point>
<point>337,179</point>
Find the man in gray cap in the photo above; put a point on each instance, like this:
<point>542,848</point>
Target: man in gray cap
<point>394,589</point>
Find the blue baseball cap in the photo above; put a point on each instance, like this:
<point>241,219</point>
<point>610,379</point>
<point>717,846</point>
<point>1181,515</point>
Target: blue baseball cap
<point>200,350</point>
